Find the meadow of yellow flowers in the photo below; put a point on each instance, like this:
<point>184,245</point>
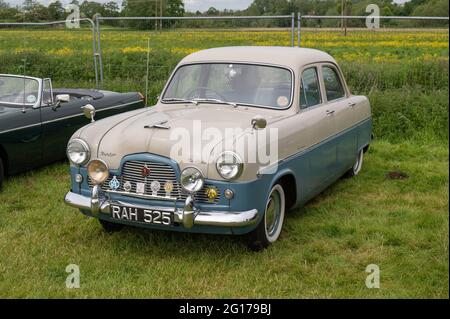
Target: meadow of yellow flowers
<point>398,67</point>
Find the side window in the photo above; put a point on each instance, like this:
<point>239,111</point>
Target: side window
<point>309,89</point>
<point>333,85</point>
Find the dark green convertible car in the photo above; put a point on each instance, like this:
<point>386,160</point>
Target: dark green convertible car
<point>36,121</point>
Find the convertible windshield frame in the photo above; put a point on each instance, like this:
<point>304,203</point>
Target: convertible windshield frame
<point>284,67</point>
<point>22,77</point>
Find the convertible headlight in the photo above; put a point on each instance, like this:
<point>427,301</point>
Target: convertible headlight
<point>78,151</point>
<point>191,179</point>
<point>98,171</point>
<point>229,165</point>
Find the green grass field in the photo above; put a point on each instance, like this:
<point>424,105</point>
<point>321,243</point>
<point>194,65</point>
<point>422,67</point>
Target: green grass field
<point>400,225</point>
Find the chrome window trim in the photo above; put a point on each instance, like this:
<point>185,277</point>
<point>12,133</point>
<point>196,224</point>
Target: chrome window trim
<point>292,97</point>
<point>51,92</point>
<point>38,101</point>
<point>307,67</point>
<point>341,80</point>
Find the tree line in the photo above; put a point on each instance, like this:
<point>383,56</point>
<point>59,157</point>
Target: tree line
<point>33,11</point>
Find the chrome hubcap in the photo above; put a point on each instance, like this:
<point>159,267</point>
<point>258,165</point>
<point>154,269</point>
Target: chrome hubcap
<point>358,164</point>
<point>273,213</point>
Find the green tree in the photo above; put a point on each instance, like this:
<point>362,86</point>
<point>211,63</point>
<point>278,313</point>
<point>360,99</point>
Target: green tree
<point>174,8</point>
<point>89,8</point>
<point>6,12</point>
<point>111,9</point>
<point>56,11</point>
<point>32,11</point>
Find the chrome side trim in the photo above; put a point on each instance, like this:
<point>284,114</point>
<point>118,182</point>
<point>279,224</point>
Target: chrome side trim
<point>66,117</point>
<point>311,147</point>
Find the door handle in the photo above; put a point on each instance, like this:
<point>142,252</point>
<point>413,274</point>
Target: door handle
<point>330,112</point>
<point>351,104</point>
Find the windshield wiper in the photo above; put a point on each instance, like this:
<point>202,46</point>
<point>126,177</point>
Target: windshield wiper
<point>175,99</point>
<point>215,101</point>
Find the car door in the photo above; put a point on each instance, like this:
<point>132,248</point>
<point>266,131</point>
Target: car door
<point>317,127</point>
<point>340,106</point>
<point>21,137</point>
<point>20,122</point>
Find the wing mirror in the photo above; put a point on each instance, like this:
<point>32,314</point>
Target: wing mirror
<point>60,98</point>
<point>89,112</point>
<point>258,122</point>
<point>63,98</point>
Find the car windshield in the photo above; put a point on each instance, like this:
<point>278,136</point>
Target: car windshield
<point>18,90</point>
<point>234,84</point>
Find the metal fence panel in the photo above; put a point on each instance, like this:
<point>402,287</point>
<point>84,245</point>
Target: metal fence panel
<point>49,49</point>
<point>125,43</point>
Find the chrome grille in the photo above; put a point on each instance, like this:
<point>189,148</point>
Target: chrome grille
<point>132,172</point>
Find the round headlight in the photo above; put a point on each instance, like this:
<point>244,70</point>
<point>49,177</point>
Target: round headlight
<point>78,151</point>
<point>191,179</point>
<point>98,171</point>
<point>229,165</point>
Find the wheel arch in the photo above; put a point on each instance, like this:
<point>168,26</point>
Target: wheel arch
<point>288,181</point>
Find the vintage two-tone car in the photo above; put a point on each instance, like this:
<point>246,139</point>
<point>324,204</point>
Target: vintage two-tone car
<point>37,121</point>
<point>192,162</point>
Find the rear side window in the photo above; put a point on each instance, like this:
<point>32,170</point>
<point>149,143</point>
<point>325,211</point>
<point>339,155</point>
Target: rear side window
<point>309,89</point>
<point>333,85</point>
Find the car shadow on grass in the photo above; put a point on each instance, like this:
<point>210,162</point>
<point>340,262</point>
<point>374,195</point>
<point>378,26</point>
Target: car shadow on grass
<point>176,243</point>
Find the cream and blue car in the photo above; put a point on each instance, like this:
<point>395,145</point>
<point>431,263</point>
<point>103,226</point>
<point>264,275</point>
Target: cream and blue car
<point>130,169</point>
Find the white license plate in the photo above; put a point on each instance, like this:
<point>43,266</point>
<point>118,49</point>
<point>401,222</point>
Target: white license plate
<point>141,215</point>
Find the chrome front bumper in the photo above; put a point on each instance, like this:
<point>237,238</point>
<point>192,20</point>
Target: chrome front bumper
<point>188,216</point>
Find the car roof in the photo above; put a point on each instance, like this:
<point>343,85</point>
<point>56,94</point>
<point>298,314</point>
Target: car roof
<point>291,57</point>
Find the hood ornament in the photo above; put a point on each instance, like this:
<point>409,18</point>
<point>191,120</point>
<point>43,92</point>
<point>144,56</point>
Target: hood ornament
<point>159,125</point>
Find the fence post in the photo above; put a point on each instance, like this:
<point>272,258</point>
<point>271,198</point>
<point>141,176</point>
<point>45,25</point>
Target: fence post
<point>299,31</point>
<point>94,52</point>
<point>293,29</point>
<point>99,48</point>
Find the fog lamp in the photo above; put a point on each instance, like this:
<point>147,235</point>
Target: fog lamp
<point>98,171</point>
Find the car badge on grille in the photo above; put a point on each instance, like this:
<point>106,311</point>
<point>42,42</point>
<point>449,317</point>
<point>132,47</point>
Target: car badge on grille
<point>140,188</point>
<point>114,183</point>
<point>155,186</point>
<point>145,172</point>
<point>127,186</point>
<point>168,187</point>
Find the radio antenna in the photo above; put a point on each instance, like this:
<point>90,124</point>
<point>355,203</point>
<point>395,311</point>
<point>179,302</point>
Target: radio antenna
<point>147,74</point>
<point>24,109</point>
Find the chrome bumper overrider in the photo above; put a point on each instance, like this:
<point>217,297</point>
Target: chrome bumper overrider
<point>188,216</point>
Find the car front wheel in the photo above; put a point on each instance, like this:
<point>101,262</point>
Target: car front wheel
<point>269,229</point>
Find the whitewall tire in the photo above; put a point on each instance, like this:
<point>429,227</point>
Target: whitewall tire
<point>269,229</point>
<point>357,166</point>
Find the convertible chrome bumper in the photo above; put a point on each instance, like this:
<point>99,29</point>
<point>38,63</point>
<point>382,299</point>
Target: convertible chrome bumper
<point>188,216</point>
